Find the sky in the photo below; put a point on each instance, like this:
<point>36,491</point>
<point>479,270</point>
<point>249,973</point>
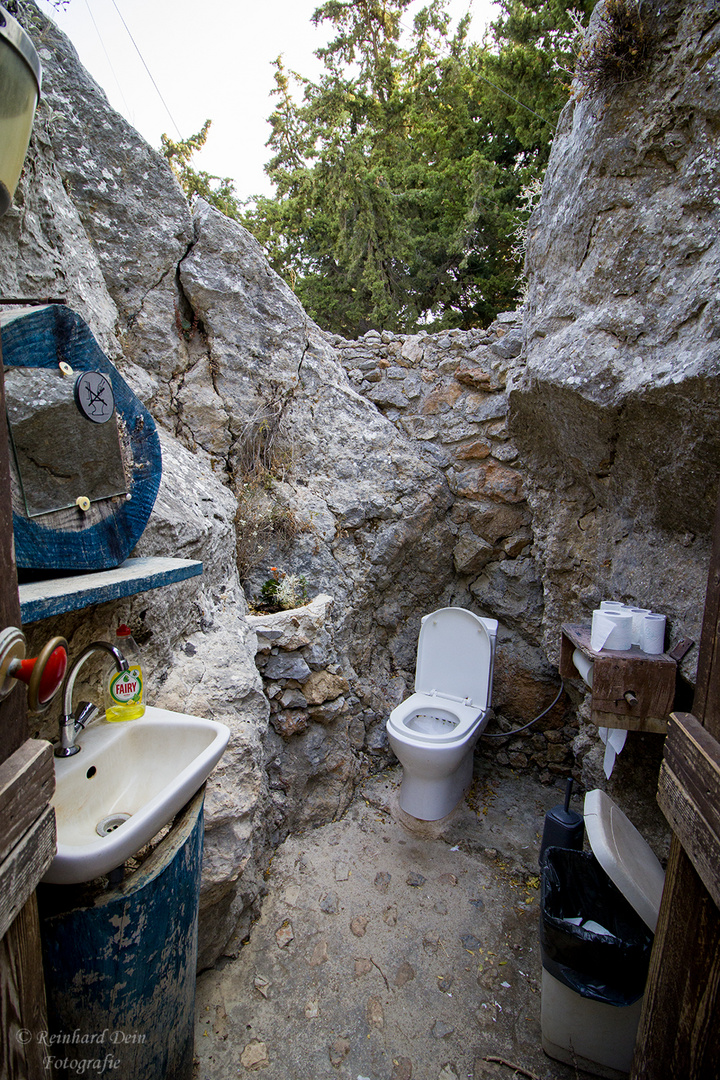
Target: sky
<point>211,61</point>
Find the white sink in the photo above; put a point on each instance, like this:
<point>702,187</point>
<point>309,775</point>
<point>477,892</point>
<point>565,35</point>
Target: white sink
<point>146,768</point>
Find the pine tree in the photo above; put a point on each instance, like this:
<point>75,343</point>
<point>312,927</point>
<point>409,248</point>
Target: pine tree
<point>218,191</point>
<point>399,175</point>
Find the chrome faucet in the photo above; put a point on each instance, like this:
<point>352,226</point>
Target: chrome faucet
<point>71,724</point>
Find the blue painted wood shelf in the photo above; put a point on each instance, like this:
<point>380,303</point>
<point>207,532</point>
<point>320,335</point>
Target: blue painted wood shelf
<point>43,599</point>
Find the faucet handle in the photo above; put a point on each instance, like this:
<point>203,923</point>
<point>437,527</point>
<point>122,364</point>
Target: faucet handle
<point>43,674</point>
<point>86,713</point>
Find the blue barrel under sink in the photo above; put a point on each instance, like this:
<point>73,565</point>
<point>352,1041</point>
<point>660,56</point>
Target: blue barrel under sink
<point>120,967</point>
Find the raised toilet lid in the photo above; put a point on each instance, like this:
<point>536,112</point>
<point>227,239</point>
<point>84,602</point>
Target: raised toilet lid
<point>625,856</point>
<point>454,656</point>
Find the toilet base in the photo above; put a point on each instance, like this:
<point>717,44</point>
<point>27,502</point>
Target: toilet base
<point>430,799</point>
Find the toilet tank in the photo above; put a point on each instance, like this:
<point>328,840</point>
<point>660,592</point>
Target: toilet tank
<point>455,656</point>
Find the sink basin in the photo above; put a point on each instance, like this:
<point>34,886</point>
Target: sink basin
<point>128,781</point>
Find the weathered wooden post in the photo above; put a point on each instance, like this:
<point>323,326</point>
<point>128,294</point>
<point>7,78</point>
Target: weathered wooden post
<point>679,1035</point>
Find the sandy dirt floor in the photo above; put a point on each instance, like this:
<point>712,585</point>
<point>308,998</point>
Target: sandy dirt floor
<point>389,949</point>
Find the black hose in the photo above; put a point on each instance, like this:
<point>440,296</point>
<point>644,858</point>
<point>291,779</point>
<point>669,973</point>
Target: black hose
<point>516,731</point>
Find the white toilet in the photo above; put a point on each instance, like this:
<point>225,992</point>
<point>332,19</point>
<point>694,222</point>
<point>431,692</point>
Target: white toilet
<point>433,733</point>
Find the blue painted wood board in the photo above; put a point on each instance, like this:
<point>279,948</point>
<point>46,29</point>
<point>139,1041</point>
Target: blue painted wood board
<point>70,540</point>
<point>43,599</point>
<point>122,967</point>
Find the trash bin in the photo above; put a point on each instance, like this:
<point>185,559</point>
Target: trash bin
<point>598,918</point>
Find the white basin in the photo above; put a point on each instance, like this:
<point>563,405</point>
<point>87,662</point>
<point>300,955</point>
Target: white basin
<point>147,768</point>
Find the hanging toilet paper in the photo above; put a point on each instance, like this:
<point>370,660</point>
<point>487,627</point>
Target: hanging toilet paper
<point>653,633</point>
<point>611,630</point>
<point>614,740</point>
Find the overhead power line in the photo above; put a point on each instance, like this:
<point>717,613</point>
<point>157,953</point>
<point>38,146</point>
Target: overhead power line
<point>142,58</point>
<point>107,57</point>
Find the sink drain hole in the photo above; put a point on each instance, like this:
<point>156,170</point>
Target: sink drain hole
<point>110,824</point>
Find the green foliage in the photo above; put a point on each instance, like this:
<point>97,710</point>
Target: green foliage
<point>216,190</point>
<point>399,174</point>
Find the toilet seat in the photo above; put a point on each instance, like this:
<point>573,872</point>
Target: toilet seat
<point>454,657</point>
<point>453,679</point>
<point>461,718</point>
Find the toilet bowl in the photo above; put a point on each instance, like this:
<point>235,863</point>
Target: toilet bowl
<point>433,733</point>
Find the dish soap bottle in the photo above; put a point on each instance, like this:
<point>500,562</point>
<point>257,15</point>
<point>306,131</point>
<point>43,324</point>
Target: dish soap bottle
<point>126,689</point>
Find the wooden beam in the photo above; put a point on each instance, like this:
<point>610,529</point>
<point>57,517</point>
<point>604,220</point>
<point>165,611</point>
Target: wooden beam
<point>24,867</point>
<point>679,1033</point>
<point>679,1036</point>
<point>689,796</point>
<point>22,992</point>
<point>27,784</point>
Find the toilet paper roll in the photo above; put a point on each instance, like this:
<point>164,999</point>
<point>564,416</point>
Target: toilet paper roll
<point>584,666</point>
<point>653,633</point>
<point>611,630</point>
<point>638,614</point>
<point>611,605</point>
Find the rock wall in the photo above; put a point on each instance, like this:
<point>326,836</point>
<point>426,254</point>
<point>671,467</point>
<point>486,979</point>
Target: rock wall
<point>525,471</point>
<point>614,411</point>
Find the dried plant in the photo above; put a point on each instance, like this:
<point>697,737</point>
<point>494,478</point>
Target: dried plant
<point>619,51</point>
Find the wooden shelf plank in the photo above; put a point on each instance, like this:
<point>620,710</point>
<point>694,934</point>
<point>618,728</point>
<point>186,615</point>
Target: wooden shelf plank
<point>43,599</point>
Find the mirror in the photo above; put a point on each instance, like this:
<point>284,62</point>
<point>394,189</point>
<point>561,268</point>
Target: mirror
<point>64,433</point>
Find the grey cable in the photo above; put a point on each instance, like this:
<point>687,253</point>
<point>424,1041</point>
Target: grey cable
<point>516,731</point>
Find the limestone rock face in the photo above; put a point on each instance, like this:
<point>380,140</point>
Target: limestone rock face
<point>615,412</point>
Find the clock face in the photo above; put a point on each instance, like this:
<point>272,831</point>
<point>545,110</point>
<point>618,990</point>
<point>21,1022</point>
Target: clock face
<point>94,397</point>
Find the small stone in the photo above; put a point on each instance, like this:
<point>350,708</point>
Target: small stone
<point>441,907</point>
<point>359,925</point>
<point>390,916</point>
<point>405,973</point>
<point>444,982</point>
<point>441,1030</point>
<point>415,880</point>
<point>448,879</point>
<point>342,872</point>
<point>402,1069</point>
<point>470,942</point>
<point>262,985</point>
<point>478,903</point>
<point>319,954</point>
<point>255,1055</point>
<point>431,942</point>
<point>362,966</point>
<point>339,1051</point>
<point>374,1013</point>
<point>284,934</point>
<point>382,881</point>
<point>312,1010</point>
<point>447,1073</point>
<point>330,903</point>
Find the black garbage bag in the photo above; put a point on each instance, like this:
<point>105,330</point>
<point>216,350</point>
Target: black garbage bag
<point>607,962</point>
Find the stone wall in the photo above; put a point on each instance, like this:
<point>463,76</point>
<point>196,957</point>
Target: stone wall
<point>310,716</point>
